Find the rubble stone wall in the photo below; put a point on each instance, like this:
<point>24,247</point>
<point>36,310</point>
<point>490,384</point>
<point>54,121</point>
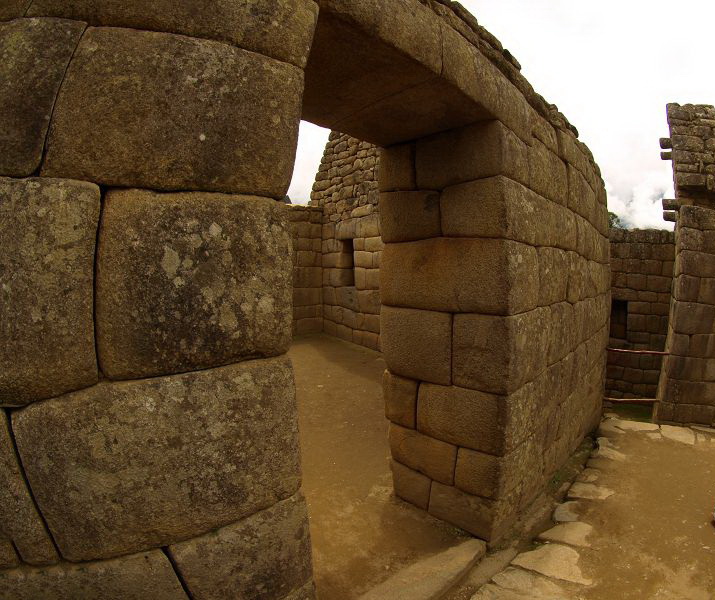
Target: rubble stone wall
<point>686,390</point>
<point>148,427</point>
<point>641,278</point>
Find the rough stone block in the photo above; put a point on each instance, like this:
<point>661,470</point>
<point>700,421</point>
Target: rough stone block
<point>417,343</point>
<point>554,268</point>
<point>154,462</point>
<point>410,485</point>
<point>48,229</point>
<point>190,280</point>
<point>280,29</point>
<point>34,54</point>
<point>400,399</point>
<point>168,112</point>
<point>12,9</point>
<point>461,275</point>
<point>500,354</point>
<point>397,168</point>
<point>136,577</point>
<point>20,522</point>
<point>476,420</point>
<point>263,557</point>
<point>407,216</point>
<point>497,207</point>
<point>422,453</point>
<point>474,152</point>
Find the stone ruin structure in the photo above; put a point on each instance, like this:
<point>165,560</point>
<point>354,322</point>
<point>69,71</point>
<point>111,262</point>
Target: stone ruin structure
<point>148,444</point>
<point>686,390</point>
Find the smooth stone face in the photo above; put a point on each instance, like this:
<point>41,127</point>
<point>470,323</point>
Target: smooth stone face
<point>264,556</point>
<point>281,29</point>
<point>167,112</point>
<point>34,54</point>
<point>122,467</point>
<point>190,281</point>
<point>19,520</point>
<point>136,577</point>
<point>48,229</point>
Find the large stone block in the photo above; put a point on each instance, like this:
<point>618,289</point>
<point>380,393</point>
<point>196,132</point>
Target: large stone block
<point>498,207</point>
<point>474,152</point>
<point>34,54</point>
<point>281,29</point>
<point>12,9</point>
<point>163,111</point>
<point>407,216</point>
<point>410,485</point>
<point>500,354</point>
<point>190,280</point>
<point>424,454</point>
<point>154,462</point>
<point>263,557</point>
<point>48,229</point>
<point>20,522</point>
<point>400,399</point>
<point>397,168</point>
<point>547,174</point>
<point>476,420</point>
<point>136,577</point>
<point>417,343</point>
<point>482,275</point>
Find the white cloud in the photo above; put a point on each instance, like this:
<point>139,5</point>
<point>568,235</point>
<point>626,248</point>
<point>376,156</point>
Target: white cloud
<point>311,143</point>
<point>611,67</point>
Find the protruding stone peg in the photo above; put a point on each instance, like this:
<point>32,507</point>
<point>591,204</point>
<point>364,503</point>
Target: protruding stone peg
<point>666,143</point>
<point>670,204</point>
<point>666,156</point>
<point>670,215</point>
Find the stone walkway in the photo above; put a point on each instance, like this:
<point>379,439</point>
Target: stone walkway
<point>636,523</point>
<point>362,535</point>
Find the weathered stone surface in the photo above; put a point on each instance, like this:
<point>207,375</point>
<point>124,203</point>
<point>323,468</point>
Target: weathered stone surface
<point>397,168</point>
<point>422,453</point>
<point>306,592</point>
<point>589,491</point>
<point>154,462</point>
<point>499,354</point>
<point>678,434</point>
<point>34,54</point>
<point>163,111</point>
<point>529,584</point>
<point>553,560</point>
<point>474,152</point>
<point>410,485</point>
<point>461,275</point>
<point>566,512</point>
<point>400,399</point>
<point>574,534</point>
<point>263,557</point>
<point>48,229</point>
<point>432,577</point>
<point>190,280</point>
<point>12,9</point>
<point>136,577</point>
<point>417,343</point>
<point>8,556</point>
<point>281,29</point>
<point>19,519</point>
<point>408,216</point>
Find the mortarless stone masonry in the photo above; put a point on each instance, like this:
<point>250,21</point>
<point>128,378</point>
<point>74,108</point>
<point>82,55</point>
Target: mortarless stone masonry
<point>686,390</point>
<point>494,324</point>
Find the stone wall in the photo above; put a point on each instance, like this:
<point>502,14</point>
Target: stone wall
<point>641,277</point>
<point>148,430</point>
<point>686,390</point>
<point>306,233</point>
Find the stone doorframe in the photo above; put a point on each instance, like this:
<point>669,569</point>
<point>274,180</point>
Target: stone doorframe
<point>149,436</point>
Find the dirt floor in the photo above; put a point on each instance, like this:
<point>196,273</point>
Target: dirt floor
<point>361,533</point>
<point>653,538</point>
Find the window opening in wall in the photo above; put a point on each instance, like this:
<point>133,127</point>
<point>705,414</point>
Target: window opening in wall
<point>619,320</point>
<point>347,260</point>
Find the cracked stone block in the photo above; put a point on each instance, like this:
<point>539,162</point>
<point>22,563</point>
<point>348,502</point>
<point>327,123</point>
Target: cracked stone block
<point>153,462</point>
<point>19,519</point>
<point>282,29</point>
<point>48,229</point>
<point>264,556</point>
<point>190,281</point>
<point>34,54</point>
<point>169,112</point>
<point>136,577</point>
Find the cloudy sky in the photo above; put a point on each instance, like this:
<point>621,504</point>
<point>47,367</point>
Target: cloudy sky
<point>611,67</point>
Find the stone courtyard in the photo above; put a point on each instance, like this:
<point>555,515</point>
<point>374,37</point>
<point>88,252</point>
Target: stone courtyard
<point>206,393</point>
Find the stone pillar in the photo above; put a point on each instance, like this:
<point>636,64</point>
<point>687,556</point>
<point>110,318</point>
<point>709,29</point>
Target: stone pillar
<point>686,390</point>
<point>148,432</point>
<point>494,283</point>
